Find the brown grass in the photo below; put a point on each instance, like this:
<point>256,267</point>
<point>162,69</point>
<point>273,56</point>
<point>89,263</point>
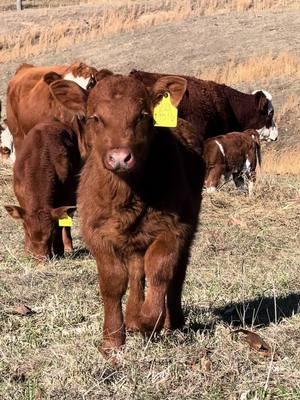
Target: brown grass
<point>255,68</point>
<point>118,18</point>
<point>285,162</point>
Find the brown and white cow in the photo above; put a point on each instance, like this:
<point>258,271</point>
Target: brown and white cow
<point>216,109</point>
<point>139,198</point>
<point>45,182</point>
<point>236,154</point>
<point>29,101</point>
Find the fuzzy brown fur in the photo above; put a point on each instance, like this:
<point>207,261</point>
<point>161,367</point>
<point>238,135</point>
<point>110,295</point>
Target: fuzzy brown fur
<point>45,183</point>
<point>216,109</point>
<point>138,222</point>
<point>29,100</point>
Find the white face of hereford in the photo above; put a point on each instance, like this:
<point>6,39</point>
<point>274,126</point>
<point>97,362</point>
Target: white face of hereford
<point>80,80</point>
<point>6,144</point>
<point>271,133</point>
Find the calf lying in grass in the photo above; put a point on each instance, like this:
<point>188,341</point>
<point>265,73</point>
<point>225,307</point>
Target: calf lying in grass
<point>45,183</point>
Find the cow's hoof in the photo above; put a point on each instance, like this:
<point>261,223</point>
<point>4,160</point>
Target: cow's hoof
<point>151,323</point>
<point>132,324</point>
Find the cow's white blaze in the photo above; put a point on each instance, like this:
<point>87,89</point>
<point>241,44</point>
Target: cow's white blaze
<point>220,147</point>
<point>80,80</point>
<point>268,134</point>
<point>211,189</point>
<point>6,141</point>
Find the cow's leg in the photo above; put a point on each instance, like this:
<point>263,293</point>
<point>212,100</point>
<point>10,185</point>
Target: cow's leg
<point>113,280</point>
<point>175,318</point>
<point>67,239</point>
<point>58,245</point>
<point>136,295</point>
<point>160,261</point>
<point>238,180</point>
<point>213,177</point>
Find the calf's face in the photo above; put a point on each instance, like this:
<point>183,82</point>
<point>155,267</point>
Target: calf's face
<point>39,228</point>
<point>119,119</point>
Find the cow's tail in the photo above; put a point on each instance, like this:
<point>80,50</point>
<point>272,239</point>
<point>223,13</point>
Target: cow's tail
<point>258,153</point>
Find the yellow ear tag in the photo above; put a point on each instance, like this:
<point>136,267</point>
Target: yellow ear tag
<point>66,221</point>
<point>164,113</point>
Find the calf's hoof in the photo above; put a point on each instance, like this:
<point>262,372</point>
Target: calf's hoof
<point>150,321</point>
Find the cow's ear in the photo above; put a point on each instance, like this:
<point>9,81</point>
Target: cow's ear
<point>51,77</point>
<point>175,85</point>
<point>102,74</point>
<point>61,212</point>
<point>70,95</point>
<point>15,211</point>
<point>78,125</point>
<point>261,102</point>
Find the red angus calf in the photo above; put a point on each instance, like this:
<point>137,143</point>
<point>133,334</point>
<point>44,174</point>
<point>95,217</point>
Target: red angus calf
<point>139,199</point>
<point>236,153</point>
<point>45,183</point>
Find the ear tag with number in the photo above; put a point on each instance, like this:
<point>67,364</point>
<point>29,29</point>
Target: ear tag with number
<point>164,113</point>
<point>66,221</point>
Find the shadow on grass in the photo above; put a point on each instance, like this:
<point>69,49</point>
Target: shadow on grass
<point>260,312</point>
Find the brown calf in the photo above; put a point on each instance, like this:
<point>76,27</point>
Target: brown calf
<point>45,183</point>
<point>29,101</point>
<point>139,199</point>
<point>236,153</point>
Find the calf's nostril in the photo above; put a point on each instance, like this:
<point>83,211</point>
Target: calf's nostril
<point>127,158</point>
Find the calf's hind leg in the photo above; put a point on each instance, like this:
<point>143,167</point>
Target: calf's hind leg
<point>160,262</point>
<point>67,239</point>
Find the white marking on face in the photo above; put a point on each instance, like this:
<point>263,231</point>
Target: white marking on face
<point>268,134</point>
<point>267,94</point>
<point>6,140</point>
<point>220,147</point>
<point>80,80</point>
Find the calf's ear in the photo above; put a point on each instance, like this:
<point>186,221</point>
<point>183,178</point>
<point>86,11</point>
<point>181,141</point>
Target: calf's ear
<point>175,85</point>
<point>61,212</point>
<point>51,77</point>
<point>15,211</point>
<point>70,95</point>
<point>102,74</point>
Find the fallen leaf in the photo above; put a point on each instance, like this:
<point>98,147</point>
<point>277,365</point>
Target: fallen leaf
<point>257,343</point>
<point>23,310</point>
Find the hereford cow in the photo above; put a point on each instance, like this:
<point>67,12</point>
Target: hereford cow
<point>139,199</point>
<point>216,109</point>
<point>28,98</point>
<point>236,153</point>
<point>45,183</point>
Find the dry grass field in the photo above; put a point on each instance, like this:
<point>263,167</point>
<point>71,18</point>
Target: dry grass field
<point>245,263</point>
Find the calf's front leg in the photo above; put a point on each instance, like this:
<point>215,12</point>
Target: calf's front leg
<point>160,262</point>
<point>67,239</point>
<point>113,280</point>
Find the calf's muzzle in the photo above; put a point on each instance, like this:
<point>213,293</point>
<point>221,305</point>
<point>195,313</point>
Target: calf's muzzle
<point>119,159</point>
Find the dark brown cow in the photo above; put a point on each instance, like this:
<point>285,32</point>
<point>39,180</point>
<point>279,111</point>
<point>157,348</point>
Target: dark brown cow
<point>139,199</point>
<point>236,153</point>
<point>28,98</point>
<point>216,109</point>
<point>45,183</point>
